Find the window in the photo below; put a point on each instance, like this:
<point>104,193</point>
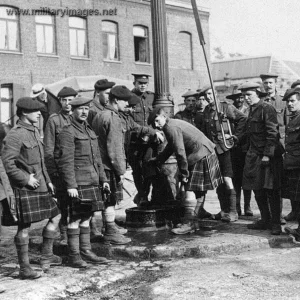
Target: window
<point>9,30</point>
<point>141,44</point>
<point>184,49</point>
<point>110,40</point>
<point>78,36</point>
<point>6,104</point>
<point>45,34</point>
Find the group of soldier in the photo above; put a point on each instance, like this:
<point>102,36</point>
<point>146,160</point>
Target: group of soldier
<point>74,177</point>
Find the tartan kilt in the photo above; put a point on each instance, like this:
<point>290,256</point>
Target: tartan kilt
<point>34,206</point>
<point>291,186</point>
<point>91,192</point>
<point>205,174</point>
<point>116,189</point>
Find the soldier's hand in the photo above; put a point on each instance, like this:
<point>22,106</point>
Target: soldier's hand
<point>73,193</point>
<point>160,137</point>
<point>51,188</point>
<point>265,161</point>
<point>33,182</point>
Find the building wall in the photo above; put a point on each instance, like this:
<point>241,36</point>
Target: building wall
<point>28,67</point>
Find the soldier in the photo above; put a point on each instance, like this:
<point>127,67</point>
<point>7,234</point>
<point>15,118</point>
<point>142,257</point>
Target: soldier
<point>263,165</point>
<point>292,155</point>
<point>211,127</point>
<point>269,81</point>
<point>81,169</point>
<point>54,126</point>
<point>102,88</point>
<point>238,155</point>
<point>201,103</point>
<point>196,159</point>
<point>188,114</point>
<point>23,159</point>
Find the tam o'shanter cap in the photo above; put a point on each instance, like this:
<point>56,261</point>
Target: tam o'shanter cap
<point>290,92</point>
<point>103,84</point>
<point>134,100</point>
<point>29,103</point>
<point>121,92</point>
<point>190,93</point>
<point>268,75</point>
<point>80,100</point>
<point>37,89</point>
<point>205,89</point>
<point>141,77</point>
<point>153,114</point>
<point>236,94</point>
<point>294,84</point>
<point>66,92</point>
<point>251,85</point>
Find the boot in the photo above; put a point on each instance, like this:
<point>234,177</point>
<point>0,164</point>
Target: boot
<point>294,232</point>
<point>86,250</point>
<point>48,258</point>
<point>263,205</point>
<point>186,228</point>
<point>75,259</point>
<point>238,201</point>
<point>119,229</point>
<point>96,226</point>
<point>247,208</point>
<point>221,192</point>
<point>26,272</point>
<point>232,216</point>
<point>275,205</point>
<point>200,212</point>
<point>292,216</point>
<point>112,235</point>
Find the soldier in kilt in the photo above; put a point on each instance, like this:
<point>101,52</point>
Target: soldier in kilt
<point>263,164</point>
<point>291,161</point>
<point>81,168</point>
<point>196,159</point>
<point>23,159</point>
<point>53,127</point>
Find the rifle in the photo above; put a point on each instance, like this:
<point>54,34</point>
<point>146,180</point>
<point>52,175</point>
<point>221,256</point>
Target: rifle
<point>221,116</point>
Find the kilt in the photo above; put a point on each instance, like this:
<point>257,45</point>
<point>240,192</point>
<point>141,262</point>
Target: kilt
<point>205,174</point>
<point>91,192</point>
<point>291,188</point>
<point>257,177</point>
<point>34,206</point>
<point>116,189</point>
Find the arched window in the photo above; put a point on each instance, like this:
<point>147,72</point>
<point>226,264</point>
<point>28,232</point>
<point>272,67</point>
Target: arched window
<point>78,36</point>
<point>45,34</point>
<point>9,29</point>
<point>141,44</point>
<point>110,40</point>
<point>184,50</point>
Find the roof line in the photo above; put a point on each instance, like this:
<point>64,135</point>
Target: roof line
<point>241,58</point>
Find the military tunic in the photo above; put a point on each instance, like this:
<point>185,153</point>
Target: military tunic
<point>96,107</point>
<point>186,115</point>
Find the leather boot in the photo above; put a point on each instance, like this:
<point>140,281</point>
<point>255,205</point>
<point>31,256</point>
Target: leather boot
<point>247,208</point>
<point>75,259</point>
<point>48,258</point>
<point>294,232</point>
<point>292,216</point>
<point>275,205</point>
<point>86,250</point>
<point>221,192</point>
<point>26,272</point>
<point>263,205</point>
<point>112,235</point>
<point>232,215</point>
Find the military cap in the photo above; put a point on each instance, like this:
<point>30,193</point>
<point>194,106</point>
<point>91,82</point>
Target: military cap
<point>103,84</point>
<point>190,93</point>
<point>290,92</point>
<point>294,84</point>
<point>205,89</point>
<point>251,85</point>
<point>268,75</point>
<point>134,100</point>
<point>153,114</point>
<point>121,92</point>
<point>29,103</point>
<point>66,92</point>
<point>236,94</point>
<point>80,100</point>
<point>37,90</point>
<point>144,78</point>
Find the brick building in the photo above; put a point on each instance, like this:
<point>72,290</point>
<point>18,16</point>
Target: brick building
<point>47,47</point>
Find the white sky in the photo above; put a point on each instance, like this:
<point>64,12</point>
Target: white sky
<point>256,27</point>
